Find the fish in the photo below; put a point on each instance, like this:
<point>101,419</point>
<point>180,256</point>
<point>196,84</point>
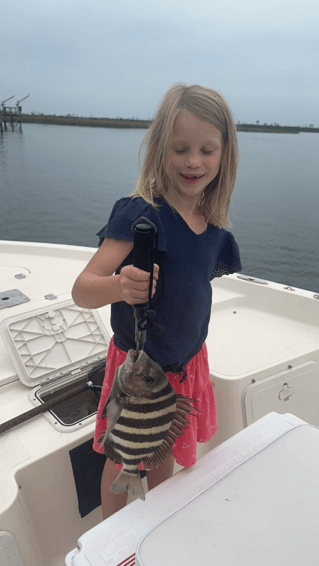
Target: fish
<point>144,418</point>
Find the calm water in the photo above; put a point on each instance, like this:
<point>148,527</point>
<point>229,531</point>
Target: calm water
<point>58,184</point>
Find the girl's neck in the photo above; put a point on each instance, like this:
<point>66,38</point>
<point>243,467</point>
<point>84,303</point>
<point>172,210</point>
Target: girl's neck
<point>189,207</point>
<point>191,212</point>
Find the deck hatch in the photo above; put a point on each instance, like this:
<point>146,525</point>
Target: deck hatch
<point>48,344</point>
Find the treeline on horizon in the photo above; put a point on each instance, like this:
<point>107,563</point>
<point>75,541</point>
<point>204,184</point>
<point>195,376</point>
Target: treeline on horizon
<point>70,120</point>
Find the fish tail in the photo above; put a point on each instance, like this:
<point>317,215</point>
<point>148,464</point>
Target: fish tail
<point>128,482</point>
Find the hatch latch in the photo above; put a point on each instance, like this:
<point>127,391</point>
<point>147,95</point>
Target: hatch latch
<point>286,392</point>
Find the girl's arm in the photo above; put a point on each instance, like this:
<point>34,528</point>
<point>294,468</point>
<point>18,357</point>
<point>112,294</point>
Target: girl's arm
<point>96,286</point>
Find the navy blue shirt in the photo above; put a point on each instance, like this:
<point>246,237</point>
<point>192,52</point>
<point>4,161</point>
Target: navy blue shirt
<point>189,262</point>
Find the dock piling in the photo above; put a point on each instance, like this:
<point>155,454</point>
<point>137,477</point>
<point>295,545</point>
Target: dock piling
<point>12,113</point>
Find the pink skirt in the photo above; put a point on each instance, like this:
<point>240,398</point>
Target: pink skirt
<point>197,385</point>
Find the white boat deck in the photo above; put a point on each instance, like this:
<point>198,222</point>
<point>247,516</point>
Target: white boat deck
<point>259,335</point>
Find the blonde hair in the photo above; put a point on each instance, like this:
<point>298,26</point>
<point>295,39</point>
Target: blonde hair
<point>209,106</point>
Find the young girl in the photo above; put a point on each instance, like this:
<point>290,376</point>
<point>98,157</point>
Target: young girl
<point>184,188</point>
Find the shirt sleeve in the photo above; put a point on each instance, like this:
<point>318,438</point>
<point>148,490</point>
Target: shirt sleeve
<point>228,260</point>
<point>125,212</point>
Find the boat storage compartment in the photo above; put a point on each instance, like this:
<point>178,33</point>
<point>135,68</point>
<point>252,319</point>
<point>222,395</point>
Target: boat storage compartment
<point>263,347</point>
<point>54,350</point>
<point>294,388</point>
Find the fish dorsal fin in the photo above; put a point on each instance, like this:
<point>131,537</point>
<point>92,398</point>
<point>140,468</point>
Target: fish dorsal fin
<point>184,405</point>
<point>178,425</point>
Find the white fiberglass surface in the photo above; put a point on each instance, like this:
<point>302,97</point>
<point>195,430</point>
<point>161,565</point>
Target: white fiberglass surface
<point>264,512</point>
<point>242,339</point>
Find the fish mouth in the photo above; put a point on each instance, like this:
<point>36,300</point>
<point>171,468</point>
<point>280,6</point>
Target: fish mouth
<point>134,355</point>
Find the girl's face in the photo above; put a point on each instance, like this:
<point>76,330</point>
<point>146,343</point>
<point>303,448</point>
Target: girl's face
<point>194,159</point>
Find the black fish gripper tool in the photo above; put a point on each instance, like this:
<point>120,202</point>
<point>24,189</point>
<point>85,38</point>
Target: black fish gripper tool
<point>145,239</point>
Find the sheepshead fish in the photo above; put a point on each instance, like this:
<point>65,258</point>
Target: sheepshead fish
<point>144,418</point>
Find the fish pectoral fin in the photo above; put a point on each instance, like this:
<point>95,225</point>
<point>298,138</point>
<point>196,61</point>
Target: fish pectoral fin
<point>113,412</point>
<point>128,482</point>
<point>114,393</point>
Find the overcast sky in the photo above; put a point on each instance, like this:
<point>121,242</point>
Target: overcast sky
<point>117,58</point>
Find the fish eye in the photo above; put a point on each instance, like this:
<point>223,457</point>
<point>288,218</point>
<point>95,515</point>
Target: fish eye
<point>149,379</point>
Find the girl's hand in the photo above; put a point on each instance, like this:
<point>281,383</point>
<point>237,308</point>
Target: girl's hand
<point>134,284</point>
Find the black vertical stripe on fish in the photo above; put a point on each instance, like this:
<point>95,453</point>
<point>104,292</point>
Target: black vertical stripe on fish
<point>147,423</point>
<point>149,437</point>
<point>152,406</point>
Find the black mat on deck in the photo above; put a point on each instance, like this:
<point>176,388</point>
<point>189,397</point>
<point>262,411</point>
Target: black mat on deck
<point>87,470</point>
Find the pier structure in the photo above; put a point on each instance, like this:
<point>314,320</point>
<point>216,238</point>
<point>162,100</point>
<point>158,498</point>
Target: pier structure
<point>11,114</point>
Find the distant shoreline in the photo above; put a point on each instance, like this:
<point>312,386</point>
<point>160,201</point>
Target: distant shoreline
<point>144,124</point>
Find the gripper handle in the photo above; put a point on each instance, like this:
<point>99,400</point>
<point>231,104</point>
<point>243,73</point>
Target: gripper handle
<point>143,244</point>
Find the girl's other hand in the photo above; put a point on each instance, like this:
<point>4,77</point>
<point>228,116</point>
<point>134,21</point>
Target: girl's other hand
<point>134,284</point>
